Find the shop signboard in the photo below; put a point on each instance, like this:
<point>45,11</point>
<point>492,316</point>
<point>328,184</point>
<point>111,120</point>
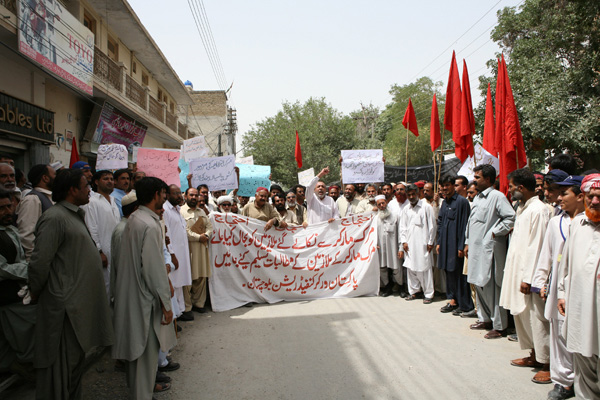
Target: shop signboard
<point>25,119</point>
<point>115,126</point>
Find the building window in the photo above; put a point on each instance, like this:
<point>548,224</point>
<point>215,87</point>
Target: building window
<point>134,67</point>
<point>160,95</point>
<point>172,107</point>
<point>113,49</point>
<point>89,23</point>
<point>144,78</point>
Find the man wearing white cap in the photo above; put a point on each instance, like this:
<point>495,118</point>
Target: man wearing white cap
<point>387,246</point>
<point>224,203</point>
<point>579,292</point>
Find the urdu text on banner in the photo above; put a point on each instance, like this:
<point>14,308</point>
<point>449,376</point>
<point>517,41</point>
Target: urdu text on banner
<point>362,166</point>
<point>325,260</point>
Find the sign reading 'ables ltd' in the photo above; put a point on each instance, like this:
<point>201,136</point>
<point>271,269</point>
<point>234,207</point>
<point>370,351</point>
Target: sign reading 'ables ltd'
<point>25,119</point>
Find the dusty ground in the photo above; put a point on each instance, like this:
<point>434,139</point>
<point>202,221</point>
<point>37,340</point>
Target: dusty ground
<point>363,348</point>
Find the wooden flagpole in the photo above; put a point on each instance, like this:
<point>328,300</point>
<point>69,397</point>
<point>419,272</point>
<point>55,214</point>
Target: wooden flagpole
<point>406,159</point>
<point>441,156</point>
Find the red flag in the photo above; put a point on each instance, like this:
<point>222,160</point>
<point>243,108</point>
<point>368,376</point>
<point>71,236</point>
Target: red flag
<point>435,137</point>
<point>298,151</point>
<point>453,100</point>
<point>488,130</point>
<point>410,120</point>
<point>508,136</point>
<point>74,153</point>
<point>464,147</point>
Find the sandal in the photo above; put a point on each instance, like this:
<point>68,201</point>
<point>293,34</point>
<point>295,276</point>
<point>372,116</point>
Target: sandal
<point>161,387</point>
<point>427,300</point>
<point>411,297</point>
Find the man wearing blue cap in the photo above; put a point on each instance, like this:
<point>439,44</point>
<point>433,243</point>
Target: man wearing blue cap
<point>552,190</point>
<point>545,280</point>
<point>87,170</point>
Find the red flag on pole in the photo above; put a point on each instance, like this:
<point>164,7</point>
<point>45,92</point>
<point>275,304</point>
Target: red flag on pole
<point>453,101</point>
<point>410,120</point>
<point>74,153</point>
<point>488,130</point>
<point>508,136</point>
<point>464,147</point>
<point>298,151</point>
<point>435,137</point>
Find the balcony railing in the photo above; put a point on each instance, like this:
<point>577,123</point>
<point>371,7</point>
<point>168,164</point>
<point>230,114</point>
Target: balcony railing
<point>182,130</point>
<point>115,75</point>
<point>10,5</point>
<point>107,70</point>
<point>135,92</point>
<point>156,109</point>
<point>171,121</point>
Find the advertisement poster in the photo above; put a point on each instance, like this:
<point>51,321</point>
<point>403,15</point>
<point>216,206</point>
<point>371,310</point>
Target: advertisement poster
<point>117,127</point>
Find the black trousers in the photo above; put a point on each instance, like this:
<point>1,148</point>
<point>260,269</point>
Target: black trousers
<point>458,288</point>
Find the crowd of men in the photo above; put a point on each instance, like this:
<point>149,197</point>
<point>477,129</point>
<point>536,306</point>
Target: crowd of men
<point>117,259</point>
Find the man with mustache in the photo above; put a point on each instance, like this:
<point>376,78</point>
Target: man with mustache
<point>293,206</point>
<point>320,207</point>
<point>526,242</point>
<point>397,205</point>
<point>368,204</point>
<point>579,294</point>
<point>348,204</point>
<point>571,201</point>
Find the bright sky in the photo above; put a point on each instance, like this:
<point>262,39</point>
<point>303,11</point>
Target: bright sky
<point>346,51</point>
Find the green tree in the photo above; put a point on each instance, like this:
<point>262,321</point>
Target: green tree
<point>323,131</point>
<point>552,49</point>
<point>390,129</point>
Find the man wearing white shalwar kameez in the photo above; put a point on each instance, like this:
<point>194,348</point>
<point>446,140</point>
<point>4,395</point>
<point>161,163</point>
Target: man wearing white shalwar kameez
<point>545,281</point>
<point>319,206</point>
<point>179,245</point>
<point>579,292</point>
<point>417,235</point>
<point>387,246</point>
<point>101,217</point>
<point>526,242</point>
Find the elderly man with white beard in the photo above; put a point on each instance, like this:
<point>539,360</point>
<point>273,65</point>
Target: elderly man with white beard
<point>387,246</point>
<point>368,204</point>
<point>320,207</point>
<point>579,292</point>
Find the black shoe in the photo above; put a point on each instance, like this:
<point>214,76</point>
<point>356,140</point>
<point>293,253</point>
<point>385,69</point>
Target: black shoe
<point>171,366</point>
<point>186,316</point>
<point>200,310</point>
<point>249,305</point>
<point>469,314</point>
<point>457,312</point>
<point>162,377</point>
<point>179,328</point>
<point>560,393</point>
<point>403,294</point>
<point>448,308</point>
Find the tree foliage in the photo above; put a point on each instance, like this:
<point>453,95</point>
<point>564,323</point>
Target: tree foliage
<point>552,49</point>
<point>323,132</point>
<point>389,125</point>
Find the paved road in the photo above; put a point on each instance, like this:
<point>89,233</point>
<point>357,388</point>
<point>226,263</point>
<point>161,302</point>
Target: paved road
<point>363,348</point>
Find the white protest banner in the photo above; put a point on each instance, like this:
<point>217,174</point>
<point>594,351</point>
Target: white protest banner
<point>304,177</point>
<point>245,160</point>
<point>217,172</point>
<point>111,156</point>
<point>362,166</point>
<point>160,164</point>
<point>325,260</point>
<point>481,157</point>
<point>194,148</point>
<point>253,177</point>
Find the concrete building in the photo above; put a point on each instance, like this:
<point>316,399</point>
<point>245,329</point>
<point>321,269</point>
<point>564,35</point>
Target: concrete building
<point>83,69</point>
<point>213,118</point>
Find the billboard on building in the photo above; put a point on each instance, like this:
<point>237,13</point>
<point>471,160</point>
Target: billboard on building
<point>52,37</point>
<point>115,126</point>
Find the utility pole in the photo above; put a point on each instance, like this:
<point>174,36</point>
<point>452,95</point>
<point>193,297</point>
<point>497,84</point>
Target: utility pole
<point>231,129</point>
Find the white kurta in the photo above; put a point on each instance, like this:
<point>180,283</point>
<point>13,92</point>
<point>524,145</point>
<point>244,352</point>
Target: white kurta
<point>396,208</point>
<point>176,230</point>
<point>387,239</point>
<point>549,262</point>
<point>346,207</point>
<point>365,206</point>
<point>417,228</point>
<point>101,218</point>
<point>318,210</point>
<point>523,252</point>
<point>581,287</point>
